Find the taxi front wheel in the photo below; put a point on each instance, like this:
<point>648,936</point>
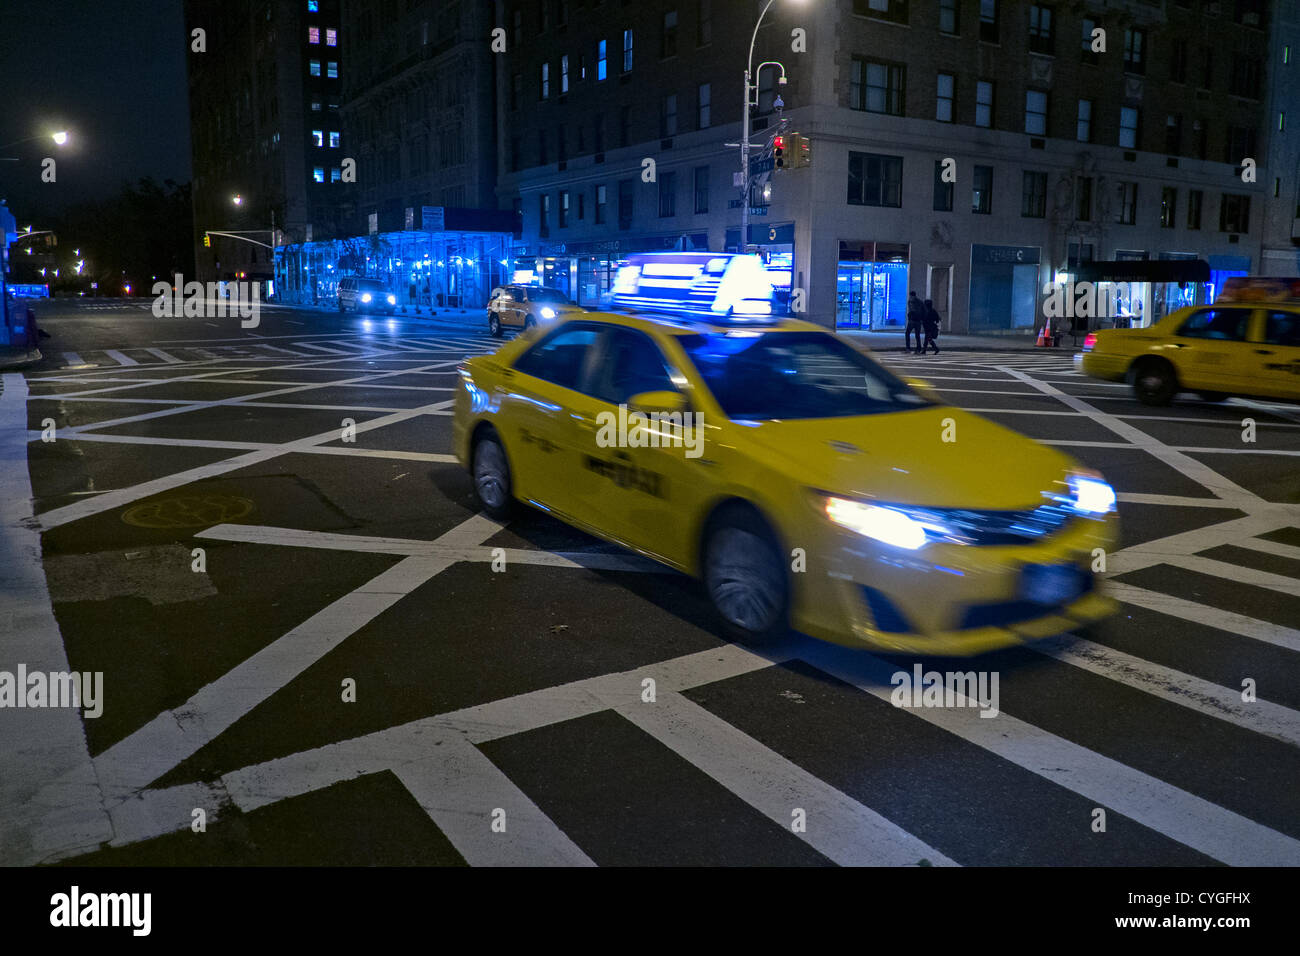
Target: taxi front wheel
<point>745,576</point>
<point>492,476</point>
<point>1154,382</point>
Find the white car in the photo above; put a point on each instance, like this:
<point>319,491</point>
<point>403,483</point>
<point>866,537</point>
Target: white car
<point>365,295</point>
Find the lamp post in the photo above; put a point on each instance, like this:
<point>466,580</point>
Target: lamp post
<point>751,98</point>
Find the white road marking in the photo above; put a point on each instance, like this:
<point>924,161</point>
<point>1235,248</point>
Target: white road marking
<point>120,358</point>
<point>1270,547</point>
<point>1213,617</point>
<point>839,827</point>
<point>72,358</point>
<point>165,356</point>
<point>50,797</point>
<point>319,348</point>
<point>1233,572</point>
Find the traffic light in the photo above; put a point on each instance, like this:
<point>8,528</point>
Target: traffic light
<point>800,151</point>
<point>207,241</point>
<point>778,152</point>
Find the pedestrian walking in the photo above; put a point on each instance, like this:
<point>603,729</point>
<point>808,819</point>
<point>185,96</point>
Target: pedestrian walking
<point>915,309</point>
<point>930,320</point>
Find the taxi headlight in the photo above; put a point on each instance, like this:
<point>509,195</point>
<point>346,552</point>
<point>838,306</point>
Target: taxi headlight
<point>392,300</point>
<point>548,312</point>
<point>365,297</point>
<point>890,525</point>
<point>1091,494</point>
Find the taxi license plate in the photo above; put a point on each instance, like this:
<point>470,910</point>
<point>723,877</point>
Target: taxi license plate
<point>1050,583</point>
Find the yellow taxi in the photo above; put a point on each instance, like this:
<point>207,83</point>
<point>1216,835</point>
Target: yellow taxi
<point>804,484</point>
<point>1247,343</point>
<point>523,306</point>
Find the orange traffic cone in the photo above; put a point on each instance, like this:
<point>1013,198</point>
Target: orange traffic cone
<point>1042,338</point>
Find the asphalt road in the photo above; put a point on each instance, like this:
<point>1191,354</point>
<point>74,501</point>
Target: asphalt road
<point>497,716</point>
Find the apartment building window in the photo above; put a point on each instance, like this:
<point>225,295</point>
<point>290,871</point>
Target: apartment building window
<point>561,12</point>
<point>668,116</point>
<point>318,137</point>
<point>545,86</point>
<point>315,106</point>
<point>336,175</point>
<point>602,203</point>
<point>1174,134</point>
<point>704,23</point>
<point>984,104</point>
<point>989,21</point>
<point>669,45</point>
<point>944,95</point>
<point>1128,127</point>
<point>1245,76</point>
<point>1178,61</point>
<point>942,190</point>
<point>598,133</point>
<point>334,140</point>
<point>602,63</point>
<point>624,203</point>
<point>1195,199</point>
<point>1241,144</point>
<point>561,143</point>
<point>981,197</point>
<point>1083,199</point>
<point>1135,42</point>
<point>949,17</point>
<point>313,34</point>
<point>313,6</point>
<point>701,190</point>
<point>332,70</point>
<point>1201,132</point>
<point>625,126</point>
<point>1168,207</point>
<point>1234,213</point>
<point>1083,122</point>
<point>1249,12</point>
<point>1036,112</point>
<point>318,174</point>
<point>564,73</point>
<point>877,87</point>
<point>894,11</point>
<point>1127,215</point>
<point>331,37</point>
<point>1042,37</point>
<point>314,67</point>
<point>564,208</point>
<point>704,101</point>
<point>875,180</point>
<point>627,51</point>
<point>1033,196</point>
<point>1088,55</point>
<point>544,214</point>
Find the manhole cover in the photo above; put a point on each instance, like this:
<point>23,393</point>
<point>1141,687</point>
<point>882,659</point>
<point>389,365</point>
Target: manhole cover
<point>188,511</point>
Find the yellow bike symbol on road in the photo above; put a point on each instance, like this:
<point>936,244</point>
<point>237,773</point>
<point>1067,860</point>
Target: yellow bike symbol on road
<point>188,511</point>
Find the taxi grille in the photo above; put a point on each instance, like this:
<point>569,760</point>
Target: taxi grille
<point>1006,527</point>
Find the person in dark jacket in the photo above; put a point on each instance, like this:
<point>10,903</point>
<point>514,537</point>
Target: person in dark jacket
<point>915,310</point>
<point>930,320</point>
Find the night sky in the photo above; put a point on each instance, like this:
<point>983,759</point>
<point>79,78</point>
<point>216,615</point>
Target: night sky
<point>112,73</point>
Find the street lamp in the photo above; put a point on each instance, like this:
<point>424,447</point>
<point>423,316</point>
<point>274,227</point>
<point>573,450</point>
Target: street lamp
<point>60,139</point>
<point>751,90</point>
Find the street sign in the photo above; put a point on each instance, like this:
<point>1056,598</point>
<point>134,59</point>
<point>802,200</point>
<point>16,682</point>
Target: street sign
<point>761,166</point>
<point>735,203</point>
<point>758,210</point>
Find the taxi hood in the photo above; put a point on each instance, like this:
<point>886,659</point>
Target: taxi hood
<point>902,458</point>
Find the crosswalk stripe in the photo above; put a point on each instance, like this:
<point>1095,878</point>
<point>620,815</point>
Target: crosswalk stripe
<point>165,356</point>
<point>1229,621</point>
<point>1177,814</point>
<point>319,348</point>
<point>1270,547</point>
<point>1233,572</point>
<point>839,827</point>
<point>72,358</point>
<point>120,358</point>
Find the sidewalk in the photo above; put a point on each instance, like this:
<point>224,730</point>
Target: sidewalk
<point>15,357</point>
<point>892,341</point>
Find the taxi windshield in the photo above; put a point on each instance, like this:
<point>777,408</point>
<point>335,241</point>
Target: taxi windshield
<point>546,295</point>
<point>763,376</point>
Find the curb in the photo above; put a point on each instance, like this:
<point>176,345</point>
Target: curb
<point>10,364</point>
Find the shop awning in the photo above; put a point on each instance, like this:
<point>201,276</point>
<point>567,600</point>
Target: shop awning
<point>1143,270</point>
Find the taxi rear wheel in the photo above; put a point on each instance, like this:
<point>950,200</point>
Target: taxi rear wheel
<point>492,476</point>
<point>494,325</point>
<point>1154,382</point>
<point>745,576</point>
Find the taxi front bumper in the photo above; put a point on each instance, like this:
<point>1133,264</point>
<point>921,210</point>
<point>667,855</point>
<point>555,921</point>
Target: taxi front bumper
<point>951,599</point>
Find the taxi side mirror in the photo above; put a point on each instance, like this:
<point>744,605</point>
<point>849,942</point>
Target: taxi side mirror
<point>664,402</point>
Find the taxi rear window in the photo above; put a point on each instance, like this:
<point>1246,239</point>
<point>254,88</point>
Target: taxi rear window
<point>791,375</point>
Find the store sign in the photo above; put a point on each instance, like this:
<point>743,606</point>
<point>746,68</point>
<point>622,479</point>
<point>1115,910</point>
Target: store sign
<point>433,218</point>
<point>1026,255</point>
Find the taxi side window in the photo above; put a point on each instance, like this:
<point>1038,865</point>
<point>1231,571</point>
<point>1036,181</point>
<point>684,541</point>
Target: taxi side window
<point>561,357</point>
<point>1222,324</point>
<point>1283,328</point>
<point>631,364</point>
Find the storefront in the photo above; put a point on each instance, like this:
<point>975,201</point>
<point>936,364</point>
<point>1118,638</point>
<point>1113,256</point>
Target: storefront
<point>871,285</point>
<point>584,271</point>
<point>1223,268</point>
<point>1004,288</point>
<point>774,244</point>
<point>1136,293</point>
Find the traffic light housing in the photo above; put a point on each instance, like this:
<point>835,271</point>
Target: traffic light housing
<point>207,241</point>
<point>800,151</point>
<point>778,152</point>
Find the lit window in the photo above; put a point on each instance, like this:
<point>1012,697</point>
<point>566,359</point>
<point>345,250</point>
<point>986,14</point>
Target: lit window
<point>564,73</point>
<point>984,104</point>
<point>1036,112</point>
<point>315,106</point>
<point>313,6</point>
<point>627,51</point>
<point>313,34</point>
<point>944,98</point>
<point>546,80</point>
<point>601,66</point>
<point>334,140</point>
<point>1083,127</point>
<point>336,175</point>
<point>331,37</point>
<point>318,174</point>
<point>1128,127</point>
<point>315,67</point>
<point>319,137</point>
<point>332,70</point>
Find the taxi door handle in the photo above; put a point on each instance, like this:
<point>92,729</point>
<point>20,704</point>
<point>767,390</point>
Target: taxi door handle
<point>1263,351</point>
